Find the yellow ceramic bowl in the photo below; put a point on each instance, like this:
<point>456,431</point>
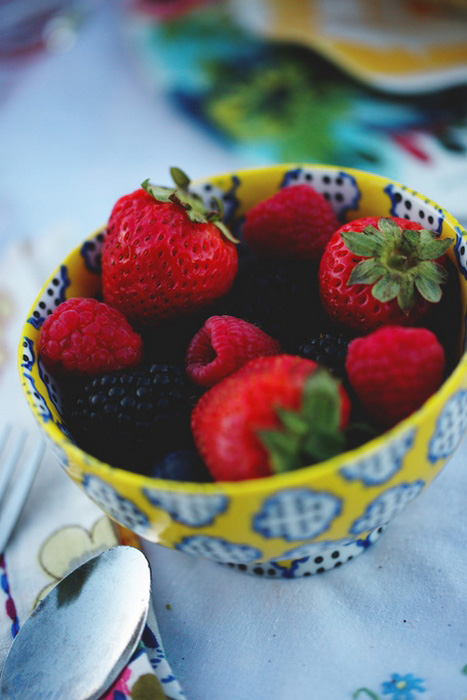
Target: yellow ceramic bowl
<point>290,524</point>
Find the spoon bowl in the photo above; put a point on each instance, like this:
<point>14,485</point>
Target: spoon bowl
<point>82,634</point>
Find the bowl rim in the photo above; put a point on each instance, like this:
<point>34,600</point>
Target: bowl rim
<point>250,486</point>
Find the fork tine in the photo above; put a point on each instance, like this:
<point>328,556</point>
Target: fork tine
<point>12,458</point>
<point>4,435</point>
<point>16,498</point>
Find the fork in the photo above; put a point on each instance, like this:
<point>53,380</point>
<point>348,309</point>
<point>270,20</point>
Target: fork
<point>20,457</point>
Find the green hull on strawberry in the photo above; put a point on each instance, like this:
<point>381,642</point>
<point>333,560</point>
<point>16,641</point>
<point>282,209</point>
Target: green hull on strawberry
<point>379,271</point>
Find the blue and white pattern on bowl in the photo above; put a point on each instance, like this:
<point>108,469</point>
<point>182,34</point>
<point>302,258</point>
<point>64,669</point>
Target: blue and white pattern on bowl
<point>195,510</point>
<point>296,514</point>
<point>118,507</point>
<point>386,506</point>
<point>218,549</point>
<point>380,466</point>
<point>450,427</point>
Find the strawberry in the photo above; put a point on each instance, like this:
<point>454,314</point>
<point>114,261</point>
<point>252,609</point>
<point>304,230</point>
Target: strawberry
<point>380,271</point>
<point>164,254</point>
<point>85,336</point>
<point>296,222</point>
<point>223,345</point>
<point>274,414</point>
<point>394,370</point>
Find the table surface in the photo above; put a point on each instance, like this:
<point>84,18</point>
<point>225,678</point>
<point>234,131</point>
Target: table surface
<point>78,129</point>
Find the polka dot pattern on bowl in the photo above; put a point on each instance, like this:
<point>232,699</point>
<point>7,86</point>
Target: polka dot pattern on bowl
<point>339,188</point>
<point>406,206</point>
<point>310,559</point>
<point>51,297</point>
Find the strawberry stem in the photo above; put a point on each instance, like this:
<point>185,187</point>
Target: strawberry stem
<point>398,262</point>
<point>190,202</point>
<point>311,434</point>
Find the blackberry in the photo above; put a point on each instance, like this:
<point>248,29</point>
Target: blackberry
<point>131,418</point>
<point>280,297</point>
<point>328,350</point>
<point>181,465</point>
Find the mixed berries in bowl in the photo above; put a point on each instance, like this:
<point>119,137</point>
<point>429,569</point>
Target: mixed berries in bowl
<point>261,368</point>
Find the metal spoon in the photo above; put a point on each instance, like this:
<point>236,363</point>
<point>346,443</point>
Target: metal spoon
<point>82,634</point>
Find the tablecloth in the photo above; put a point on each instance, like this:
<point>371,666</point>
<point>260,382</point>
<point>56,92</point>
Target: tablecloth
<point>389,625</point>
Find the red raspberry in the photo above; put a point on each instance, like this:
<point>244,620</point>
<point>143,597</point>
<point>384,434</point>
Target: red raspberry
<point>86,336</point>
<point>296,222</point>
<point>223,345</point>
<point>394,370</point>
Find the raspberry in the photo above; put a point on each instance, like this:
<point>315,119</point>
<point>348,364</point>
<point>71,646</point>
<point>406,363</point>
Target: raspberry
<point>223,345</point>
<point>131,418</point>
<point>85,336</point>
<point>394,370</point>
<point>295,222</point>
<point>328,350</point>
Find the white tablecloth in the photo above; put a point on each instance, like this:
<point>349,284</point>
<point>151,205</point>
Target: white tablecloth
<point>77,130</point>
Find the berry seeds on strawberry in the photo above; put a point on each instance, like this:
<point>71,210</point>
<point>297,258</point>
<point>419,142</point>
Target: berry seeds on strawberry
<point>85,336</point>
<point>274,414</point>
<point>223,345</point>
<point>394,370</point>
<point>164,254</point>
<point>380,271</point>
<point>295,223</point>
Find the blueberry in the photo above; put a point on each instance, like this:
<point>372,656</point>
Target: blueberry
<point>181,465</point>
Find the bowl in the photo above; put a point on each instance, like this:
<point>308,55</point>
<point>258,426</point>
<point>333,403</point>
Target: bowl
<point>287,525</point>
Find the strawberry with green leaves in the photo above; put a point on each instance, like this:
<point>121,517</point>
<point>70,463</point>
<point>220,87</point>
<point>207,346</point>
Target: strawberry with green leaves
<point>275,414</point>
<point>380,271</point>
<point>164,254</point>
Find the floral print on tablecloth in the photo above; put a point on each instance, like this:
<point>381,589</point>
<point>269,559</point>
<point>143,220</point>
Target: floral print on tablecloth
<point>398,687</point>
